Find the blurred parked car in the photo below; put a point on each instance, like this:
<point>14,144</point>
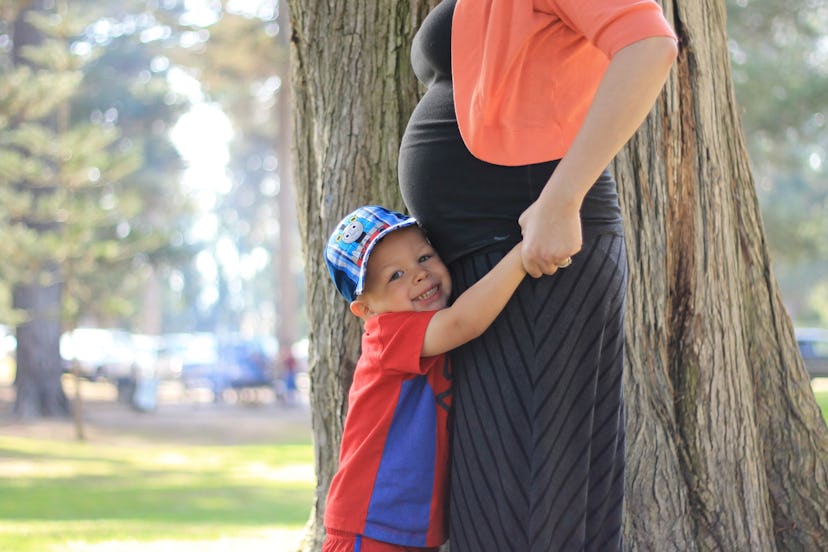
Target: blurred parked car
<point>8,347</point>
<point>249,363</point>
<point>190,357</point>
<point>98,353</point>
<point>202,361</point>
<point>813,345</point>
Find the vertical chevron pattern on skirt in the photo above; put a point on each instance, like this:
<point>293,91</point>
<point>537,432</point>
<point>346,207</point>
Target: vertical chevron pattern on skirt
<point>538,443</point>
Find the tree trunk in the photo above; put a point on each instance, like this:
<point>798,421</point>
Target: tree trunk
<point>150,318</point>
<point>727,449</point>
<point>37,381</point>
<point>353,93</point>
<point>286,320</point>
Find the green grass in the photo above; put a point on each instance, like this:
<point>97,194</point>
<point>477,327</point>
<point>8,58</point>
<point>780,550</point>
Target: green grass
<point>822,401</point>
<point>57,493</point>
<point>70,496</point>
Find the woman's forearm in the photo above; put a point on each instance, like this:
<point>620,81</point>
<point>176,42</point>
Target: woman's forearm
<point>627,92</point>
<point>551,226</point>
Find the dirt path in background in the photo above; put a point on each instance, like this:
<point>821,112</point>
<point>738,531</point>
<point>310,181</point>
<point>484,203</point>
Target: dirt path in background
<point>180,417</point>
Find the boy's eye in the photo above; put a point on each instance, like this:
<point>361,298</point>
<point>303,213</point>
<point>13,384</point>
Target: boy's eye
<point>425,257</point>
<point>396,275</point>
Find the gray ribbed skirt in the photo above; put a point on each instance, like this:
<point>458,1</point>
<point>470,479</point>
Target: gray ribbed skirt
<point>538,442</point>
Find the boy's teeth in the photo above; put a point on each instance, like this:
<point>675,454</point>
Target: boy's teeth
<point>427,294</point>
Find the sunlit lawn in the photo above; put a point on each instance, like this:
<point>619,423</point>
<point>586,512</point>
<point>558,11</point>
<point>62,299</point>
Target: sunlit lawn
<point>822,401</point>
<point>59,495</point>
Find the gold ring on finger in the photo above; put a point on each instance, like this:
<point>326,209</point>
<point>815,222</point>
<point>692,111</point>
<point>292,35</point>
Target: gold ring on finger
<point>565,263</point>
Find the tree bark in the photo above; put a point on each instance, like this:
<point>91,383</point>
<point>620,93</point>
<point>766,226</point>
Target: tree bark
<point>353,93</point>
<point>727,449</point>
<point>38,377</point>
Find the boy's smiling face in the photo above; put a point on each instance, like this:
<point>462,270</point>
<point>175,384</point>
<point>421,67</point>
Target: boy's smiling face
<point>404,274</point>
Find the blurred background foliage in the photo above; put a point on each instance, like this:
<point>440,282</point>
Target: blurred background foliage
<point>103,124</point>
<point>779,54</point>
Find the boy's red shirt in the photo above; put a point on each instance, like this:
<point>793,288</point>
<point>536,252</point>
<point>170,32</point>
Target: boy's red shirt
<point>391,484</point>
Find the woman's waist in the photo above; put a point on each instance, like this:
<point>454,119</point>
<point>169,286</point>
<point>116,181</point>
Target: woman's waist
<point>461,217</point>
<point>454,239</point>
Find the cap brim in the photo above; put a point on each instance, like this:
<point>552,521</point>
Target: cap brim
<point>370,247</point>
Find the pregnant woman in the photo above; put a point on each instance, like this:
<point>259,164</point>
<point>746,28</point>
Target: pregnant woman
<point>526,104</point>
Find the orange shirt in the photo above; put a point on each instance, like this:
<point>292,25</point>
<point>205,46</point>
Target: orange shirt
<point>525,71</point>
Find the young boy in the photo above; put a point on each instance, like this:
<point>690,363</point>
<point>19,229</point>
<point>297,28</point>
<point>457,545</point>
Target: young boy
<point>389,492</point>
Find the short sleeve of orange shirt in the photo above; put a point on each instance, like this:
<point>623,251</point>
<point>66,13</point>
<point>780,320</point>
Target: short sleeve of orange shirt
<point>525,72</point>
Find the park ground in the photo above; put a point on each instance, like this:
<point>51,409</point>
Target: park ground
<point>190,476</point>
<point>247,486</point>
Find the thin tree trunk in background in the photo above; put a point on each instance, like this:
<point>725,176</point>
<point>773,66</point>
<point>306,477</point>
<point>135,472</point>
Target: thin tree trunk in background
<point>77,403</point>
<point>353,93</point>
<point>286,319</point>
<point>727,449</point>
<point>151,315</point>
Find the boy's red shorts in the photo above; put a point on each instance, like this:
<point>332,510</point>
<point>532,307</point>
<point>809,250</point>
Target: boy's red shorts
<point>340,541</point>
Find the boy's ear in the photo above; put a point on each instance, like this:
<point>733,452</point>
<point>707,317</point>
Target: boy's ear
<point>361,309</point>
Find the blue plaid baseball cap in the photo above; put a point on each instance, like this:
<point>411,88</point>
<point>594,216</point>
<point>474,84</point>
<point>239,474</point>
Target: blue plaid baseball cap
<point>350,244</point>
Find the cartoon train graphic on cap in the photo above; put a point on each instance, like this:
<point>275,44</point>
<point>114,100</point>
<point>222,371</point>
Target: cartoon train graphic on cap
<point>353,231</point>
<point>355,239</point>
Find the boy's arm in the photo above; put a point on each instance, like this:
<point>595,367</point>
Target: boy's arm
<point>476,308</point>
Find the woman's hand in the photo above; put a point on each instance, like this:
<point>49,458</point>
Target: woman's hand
<point>551,235</point>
